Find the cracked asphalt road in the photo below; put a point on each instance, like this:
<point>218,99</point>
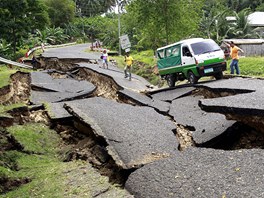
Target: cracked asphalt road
<point>136,135</point>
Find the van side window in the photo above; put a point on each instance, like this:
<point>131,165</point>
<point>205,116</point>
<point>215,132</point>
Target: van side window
<point>175,51</point>
<point>168,52</point>
<point>186,51</point>
<point>161,54</point>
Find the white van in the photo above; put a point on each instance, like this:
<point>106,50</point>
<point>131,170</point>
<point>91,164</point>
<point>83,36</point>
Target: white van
<point>191,59</point>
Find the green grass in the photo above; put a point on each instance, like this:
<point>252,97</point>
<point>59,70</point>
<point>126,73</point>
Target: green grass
<point>35,138</point>
<point>5,74</point>
<point>44,168</point>
<point>4,108</point>
<point>50,177</point>
<point>250,66</point>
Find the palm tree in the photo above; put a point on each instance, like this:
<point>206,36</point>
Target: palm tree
<point>241,29</point>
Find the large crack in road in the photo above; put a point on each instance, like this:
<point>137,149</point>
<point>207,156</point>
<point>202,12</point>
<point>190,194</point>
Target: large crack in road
<point>95,135</point>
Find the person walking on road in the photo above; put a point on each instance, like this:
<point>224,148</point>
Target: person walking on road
<point>129,61</point>
<point>234,56</point>
<point>104,57</point>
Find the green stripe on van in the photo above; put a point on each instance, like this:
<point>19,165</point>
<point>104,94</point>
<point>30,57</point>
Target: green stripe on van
<point>212,61</point>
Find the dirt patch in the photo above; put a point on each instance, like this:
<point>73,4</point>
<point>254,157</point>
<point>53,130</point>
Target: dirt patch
<point>5,94</point>
<point>184,136</point>
<point>256,122</point>
<point>22,115</point>
<point>8,142</point>
<point>210,93</point>
<point>106,86</point>
<point>18,90</point>
<point>7,184</point>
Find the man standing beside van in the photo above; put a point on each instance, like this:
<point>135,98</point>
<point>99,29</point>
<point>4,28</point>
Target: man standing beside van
<point>234,55</point>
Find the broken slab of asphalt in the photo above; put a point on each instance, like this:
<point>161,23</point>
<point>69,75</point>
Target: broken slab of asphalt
<point>247,107</point>
<point>57,112</point>
<point>134,136</point>
<point>137,83</point>
<point>199,172</point>
<point>143,100</point>
<point>204,127</point>
<point>170,94</point>
<point>236,85</point>
<point>48,89</point>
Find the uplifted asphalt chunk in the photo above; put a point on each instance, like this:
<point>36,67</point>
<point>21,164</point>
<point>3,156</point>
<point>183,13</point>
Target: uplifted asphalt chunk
<point>203,126</point>
<point>171,94</point>
<point>134,135</point>
<point>136,84</point>
<point>198,172</point>
<point>56,111</point>
<point>239,85</point>
<point>244,107</point>
<point>57,90</point>
<point>43,80</point>
<point>144,100</point>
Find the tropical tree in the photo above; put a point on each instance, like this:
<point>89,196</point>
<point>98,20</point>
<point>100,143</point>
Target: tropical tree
<point>5,48</point>
<point>241,29</point>
<point>60,11</point>
<point>239,5</point>
<point>20,17</point>
<point>159,22</point>
<point>88,8</point>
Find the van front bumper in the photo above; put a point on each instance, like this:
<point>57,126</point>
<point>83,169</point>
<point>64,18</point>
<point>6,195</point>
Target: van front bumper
<point>209,70</point>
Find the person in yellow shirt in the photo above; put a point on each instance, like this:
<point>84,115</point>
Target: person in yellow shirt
<point>129,61</point>
<point>234,56</point>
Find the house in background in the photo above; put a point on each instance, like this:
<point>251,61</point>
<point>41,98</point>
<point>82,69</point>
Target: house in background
<point>251,47</point>
<point>256,21</point>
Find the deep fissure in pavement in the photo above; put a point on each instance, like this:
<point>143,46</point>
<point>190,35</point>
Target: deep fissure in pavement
<point>106,86</point>
<point>246,133</point>
<point>86,146</point>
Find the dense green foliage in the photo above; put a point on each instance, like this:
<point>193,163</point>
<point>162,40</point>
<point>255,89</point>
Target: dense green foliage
<point>160,22</point>
<point>20,17</point>
<point>60,11</point>
<point>148,23</point>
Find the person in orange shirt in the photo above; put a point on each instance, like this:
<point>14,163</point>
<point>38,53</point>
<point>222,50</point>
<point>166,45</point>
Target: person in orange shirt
<point>234,55</point>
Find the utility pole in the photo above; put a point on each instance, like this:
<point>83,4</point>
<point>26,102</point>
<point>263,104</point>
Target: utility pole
<point>119,27</point>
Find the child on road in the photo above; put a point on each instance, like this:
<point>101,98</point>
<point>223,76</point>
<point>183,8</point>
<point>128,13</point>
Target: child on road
<point>105,59</point>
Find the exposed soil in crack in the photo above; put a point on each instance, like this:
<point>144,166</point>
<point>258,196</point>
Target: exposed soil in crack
<point>8,184</point>
<point>256,122</point>
<point>184,137</point>
<point>210,93</point>
<point>84,145</point>
<point>106,86</point>
<point>18,90</point>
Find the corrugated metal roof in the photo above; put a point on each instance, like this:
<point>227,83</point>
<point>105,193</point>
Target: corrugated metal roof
<point>256,19</point>
<point>245,41</point>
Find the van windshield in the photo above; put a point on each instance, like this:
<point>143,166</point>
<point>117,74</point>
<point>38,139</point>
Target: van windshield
<point>205,47</point>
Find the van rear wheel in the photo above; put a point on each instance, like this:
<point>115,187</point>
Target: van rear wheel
<point>171,79</point>
<point>192,78</point>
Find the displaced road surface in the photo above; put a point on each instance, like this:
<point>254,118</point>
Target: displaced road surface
<point>138,126</point>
